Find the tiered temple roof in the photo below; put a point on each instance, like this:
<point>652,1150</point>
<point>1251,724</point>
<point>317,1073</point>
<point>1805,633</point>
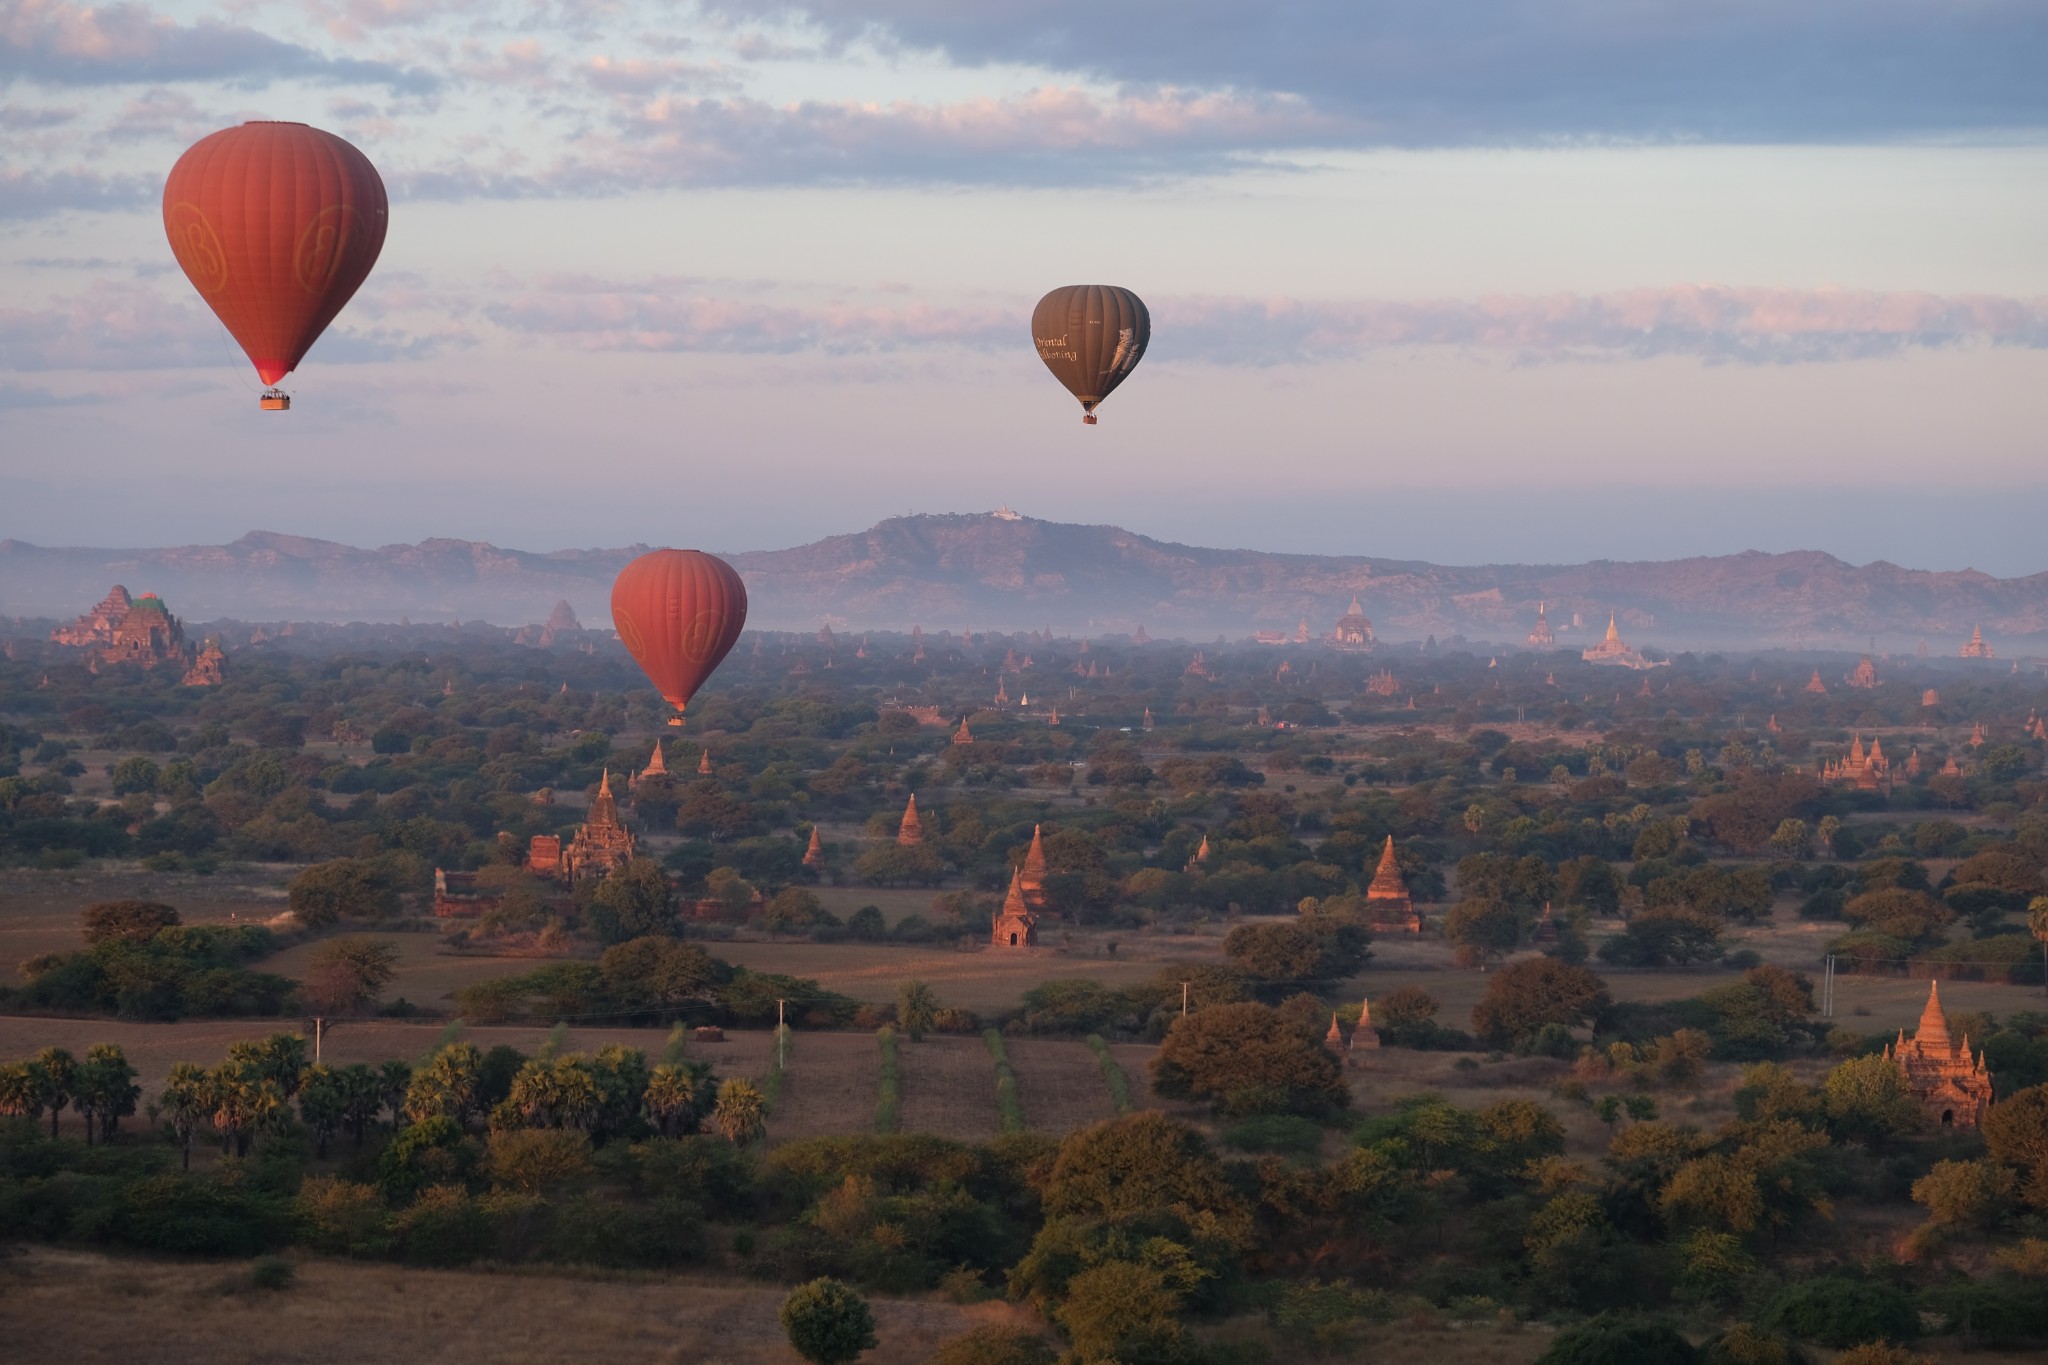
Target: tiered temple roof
<point>1014,926</point>
<point>1950,1081</point>
<point>1387,899</point>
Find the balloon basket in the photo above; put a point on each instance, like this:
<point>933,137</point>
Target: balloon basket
<point>676,721</point>
<point>275,400</point>
<point>1088,420</point>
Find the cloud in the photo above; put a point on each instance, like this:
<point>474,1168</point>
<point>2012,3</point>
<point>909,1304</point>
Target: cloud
<point>1426,73</point>
<point>1712,323</point>
<point>586,313</point>
<point>37,194</point>
<point>1048,136</point>
<point>125,326</point>
<point>54,42</point>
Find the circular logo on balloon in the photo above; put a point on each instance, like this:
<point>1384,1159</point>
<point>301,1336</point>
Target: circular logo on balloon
<point>197,247</point>
<point>700,636</point>
<point>629,633</point>
<point>317,259</point>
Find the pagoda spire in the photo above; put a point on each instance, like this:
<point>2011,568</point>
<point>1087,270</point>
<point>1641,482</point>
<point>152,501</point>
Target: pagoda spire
<point>911,832</point>
<point>1933,1029</point>
<point>814,856</point>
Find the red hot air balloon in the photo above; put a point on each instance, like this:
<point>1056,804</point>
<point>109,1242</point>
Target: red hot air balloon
<point>679,612</point>
<point>277,226</point>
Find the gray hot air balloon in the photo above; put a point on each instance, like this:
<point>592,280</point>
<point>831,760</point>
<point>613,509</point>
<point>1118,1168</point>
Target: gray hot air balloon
<point>1091,336</point>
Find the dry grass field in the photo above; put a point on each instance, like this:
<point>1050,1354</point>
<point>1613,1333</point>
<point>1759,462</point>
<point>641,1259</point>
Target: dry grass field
<point>828,1086</point>
<point>982,980</point>
<point>949,1088</point>
<point>39,910</point>
<point>149,1312</point>
<point>1060,1084</point>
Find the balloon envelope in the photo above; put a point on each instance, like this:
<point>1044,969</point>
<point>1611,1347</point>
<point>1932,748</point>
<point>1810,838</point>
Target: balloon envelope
<point>679,613</point>
<point>1091,336</point>
<point>276,225</point>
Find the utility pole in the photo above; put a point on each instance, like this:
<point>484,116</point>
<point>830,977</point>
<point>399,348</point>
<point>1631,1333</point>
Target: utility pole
<point>780,1034</point>
<point>318,1030</point>
<point>1184,999</point>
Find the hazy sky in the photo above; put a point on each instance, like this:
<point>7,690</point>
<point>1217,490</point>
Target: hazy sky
<point>1500,280</point>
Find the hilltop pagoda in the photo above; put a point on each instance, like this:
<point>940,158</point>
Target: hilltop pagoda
<point>1614,650</point>
<point>1950,1082</point>
<point>1977,648</point>
<point>1542,637</point>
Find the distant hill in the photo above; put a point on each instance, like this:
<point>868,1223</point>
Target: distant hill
<point>1001,571</point>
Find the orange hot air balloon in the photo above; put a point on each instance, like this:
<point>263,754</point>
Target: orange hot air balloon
<point>277,226</point>
<point>679,612</point>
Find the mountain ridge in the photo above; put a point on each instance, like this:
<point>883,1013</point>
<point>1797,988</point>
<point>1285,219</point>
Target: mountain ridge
<point>1002,570</point>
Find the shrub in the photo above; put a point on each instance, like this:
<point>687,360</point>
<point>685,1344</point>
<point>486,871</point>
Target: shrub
<point>827,1323</point>
<point>272,1273</point>
<point>1612,1339</point>
<point>994,1345</point>
<point>1112,1074</point>
<point>1836,1311</point>
<point>444,1227</point>
<point>1009,1108</point>
<point>1275,1133</point>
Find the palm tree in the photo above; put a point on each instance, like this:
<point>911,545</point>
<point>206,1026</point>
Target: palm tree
<point>741,1114</point>
<point>675,1097</point>
<point>446,1085</point>
<point>57,1074</point>
<point>106,1090</point>
<point>185,1103</point>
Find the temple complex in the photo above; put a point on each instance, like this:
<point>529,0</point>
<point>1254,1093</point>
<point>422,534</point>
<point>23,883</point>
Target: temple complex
<point>209,669</point>
<point>1613,650</point>
<point>1950,1082</point>
<point>602,844</point>
<point>1383,683</point>
<point>1865,674</point>
<point>1542,637</point>
<point>1870,772</point>
<point>1014,925</point>
<point>1976,648</point>
<point>1353,630</point>
<point>124,630</point>
<point>1387,900</point>
<point>910,833</point>
<point>96,627</point>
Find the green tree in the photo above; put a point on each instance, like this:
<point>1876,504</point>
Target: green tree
<point>1124,1313</point>
<point>740,1113</point>
<point>346,974</point>
<point>56,1077</point>
<point>323,1106</point>
<point>185,1103</point>
<point>536,1161</point>
<point>1973,1196</point>
<point>635,900</point>
<point>1837,1311</point>
<point>448,1086</point>
<point>1790,839</point>
<point>1619,1339</point>
<point>133,921</point>
<point>917,1009</point>
<point>678,1096</point>
<point>135,774</point>
<point>244,1102</point>
<point>993,1344</point>
<point>2016,1133</point>
<point>827,1323</point>
<point>1524,996</point>
<point>793,908</point>
<point>106,1089</point>
<point>345,888</point>
<point>1248,1058</point>
<point>559,1092</point>
<point>1483,929</point>
<point>1867,1098</point>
